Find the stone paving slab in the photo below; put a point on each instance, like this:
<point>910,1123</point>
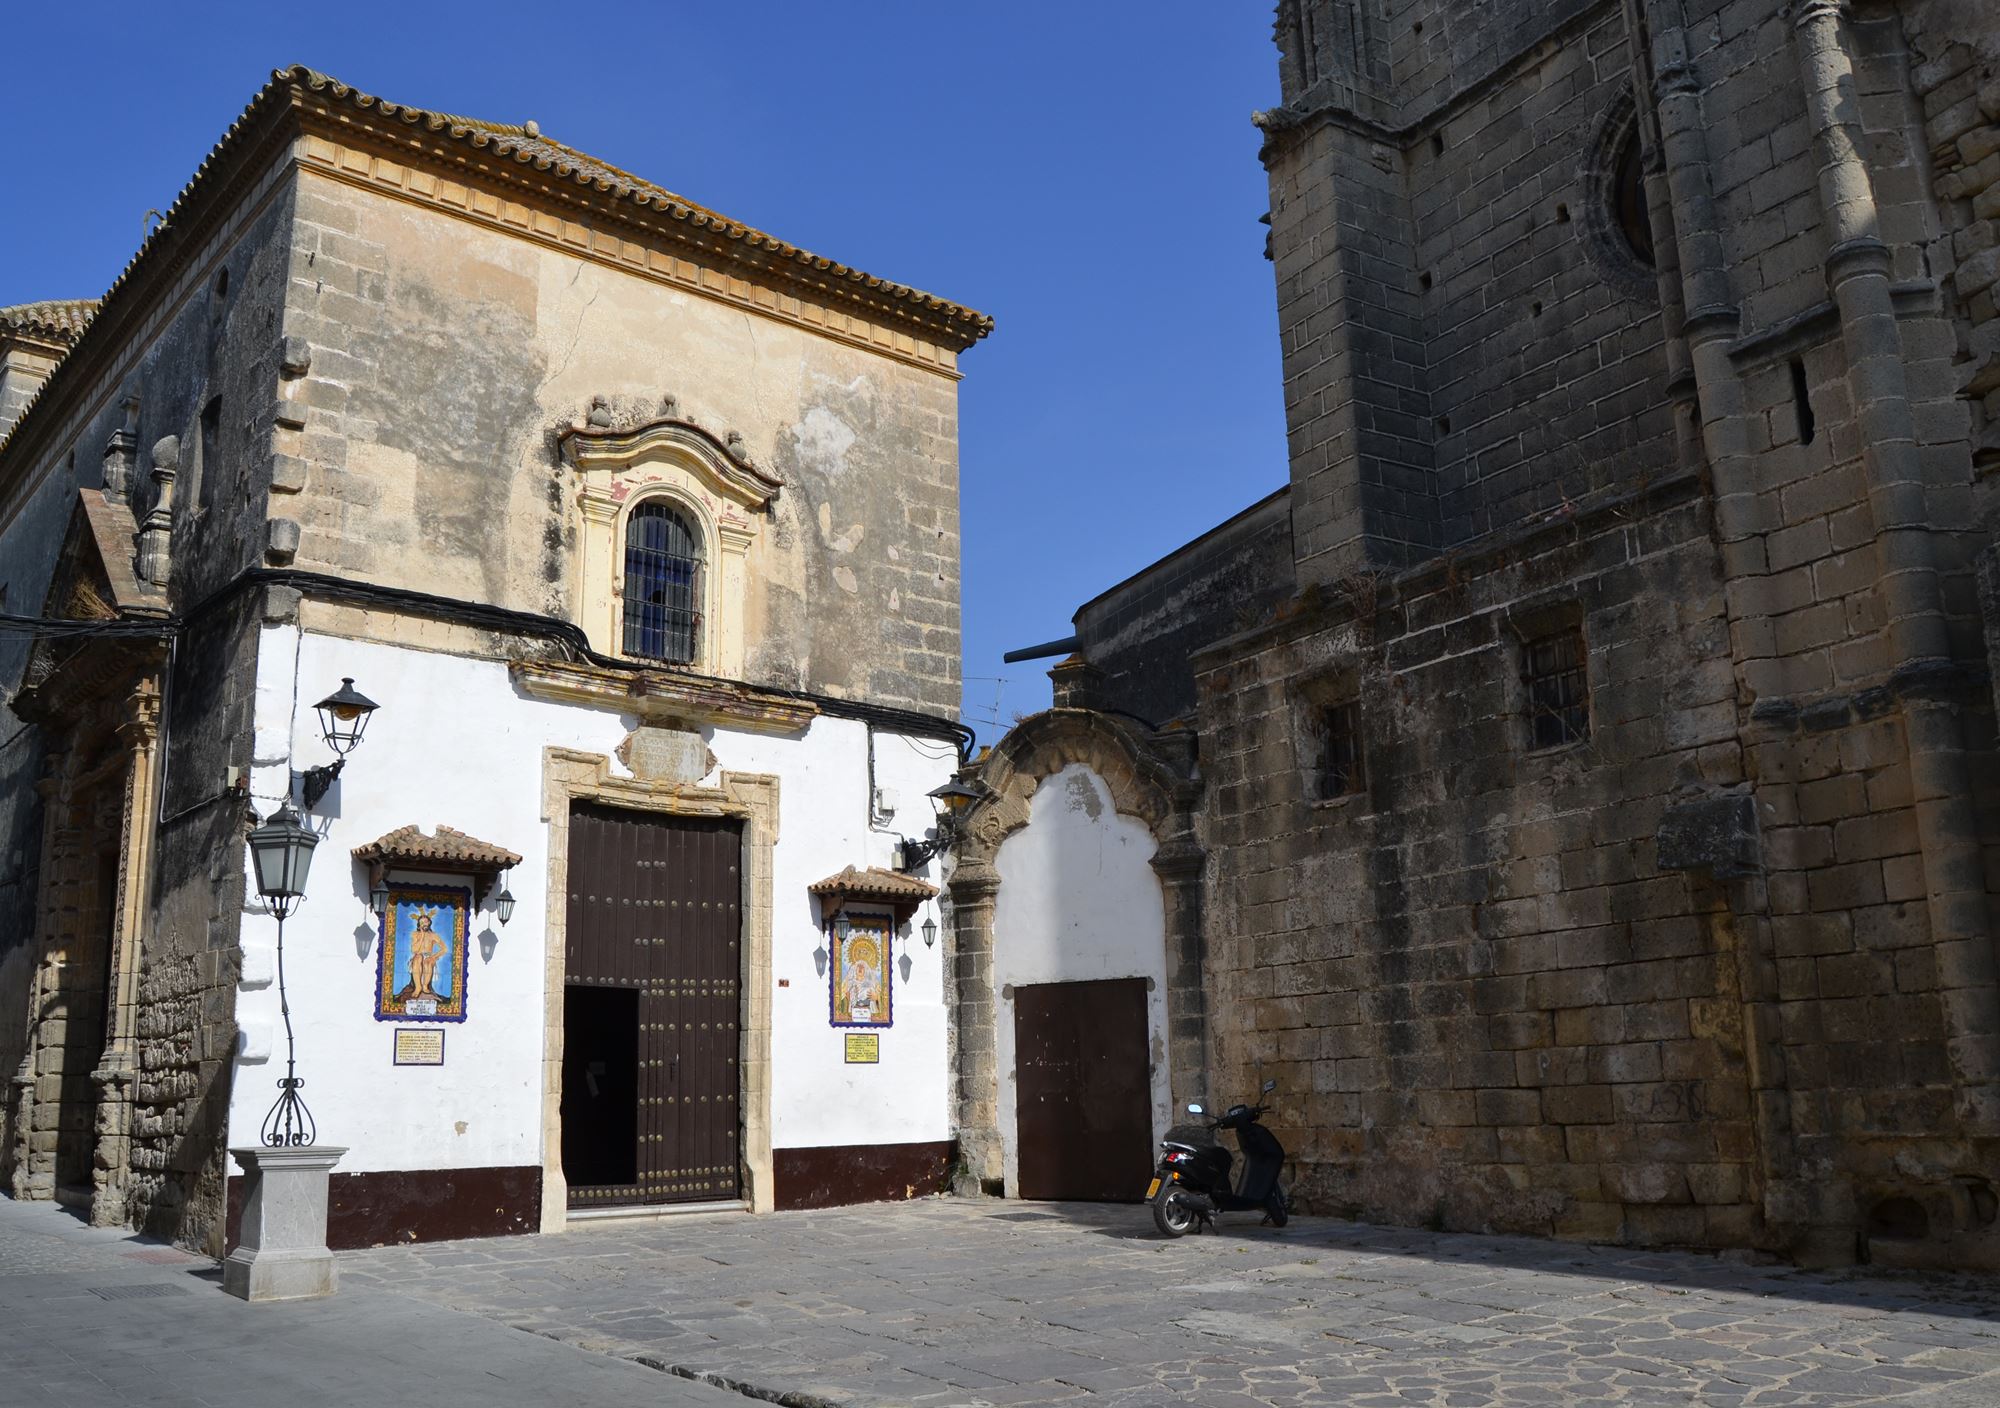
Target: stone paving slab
<point>92,1318</point>
<point>952,1302</point>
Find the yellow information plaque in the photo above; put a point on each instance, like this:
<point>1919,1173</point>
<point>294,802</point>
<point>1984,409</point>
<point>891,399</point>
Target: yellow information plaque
<point>864,1048</point>
<point>419,1046</point>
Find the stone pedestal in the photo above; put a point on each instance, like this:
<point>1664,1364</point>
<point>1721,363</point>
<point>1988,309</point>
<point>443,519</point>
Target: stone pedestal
<point>282,1254</point>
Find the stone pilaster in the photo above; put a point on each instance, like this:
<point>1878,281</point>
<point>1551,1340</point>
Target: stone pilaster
<point>118,1070</point>
<point>977,1098</point>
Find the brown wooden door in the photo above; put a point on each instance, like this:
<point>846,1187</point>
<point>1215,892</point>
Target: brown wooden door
<point>1083,1090</point>
<point>651,1011</point>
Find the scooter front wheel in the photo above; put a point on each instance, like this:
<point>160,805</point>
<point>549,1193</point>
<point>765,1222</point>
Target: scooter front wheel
<point>1173,1214</point>
<point>1278,1208</point>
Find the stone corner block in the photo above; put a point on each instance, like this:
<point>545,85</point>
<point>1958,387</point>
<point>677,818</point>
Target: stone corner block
<point>281,543</point>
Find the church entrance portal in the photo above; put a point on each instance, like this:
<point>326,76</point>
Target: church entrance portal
<point>652,995</point>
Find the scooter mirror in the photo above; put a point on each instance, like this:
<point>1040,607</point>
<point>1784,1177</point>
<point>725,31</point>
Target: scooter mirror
<point>1194,1109</point>
<point>1269,1086</point>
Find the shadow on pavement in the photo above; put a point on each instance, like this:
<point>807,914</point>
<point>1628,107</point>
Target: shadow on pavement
<point>1963,1295</point>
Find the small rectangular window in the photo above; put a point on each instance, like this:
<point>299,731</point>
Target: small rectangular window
<point>1339,763</point>
<point>200,488</point>
<point>1558,689</point>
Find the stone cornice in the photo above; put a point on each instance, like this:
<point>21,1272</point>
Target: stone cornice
<point>515,180</point>
<point>662,696</point>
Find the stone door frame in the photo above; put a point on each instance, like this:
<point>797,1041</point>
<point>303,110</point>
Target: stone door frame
<point>568,777</point>
<point>108,753</point>
<point>1142,786</point>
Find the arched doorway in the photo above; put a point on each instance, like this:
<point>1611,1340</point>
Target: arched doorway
<point>1080,965</point>
<point>1077,923</point>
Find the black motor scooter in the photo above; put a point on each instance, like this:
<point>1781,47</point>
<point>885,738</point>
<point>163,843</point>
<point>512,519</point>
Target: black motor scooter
<point>1192,1182</point>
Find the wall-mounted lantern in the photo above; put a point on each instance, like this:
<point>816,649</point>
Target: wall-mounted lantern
<point>503,903</point>
<point>951,802</point>
<point>930,931</point>
<point>343,718</point>
<point>378,897</point>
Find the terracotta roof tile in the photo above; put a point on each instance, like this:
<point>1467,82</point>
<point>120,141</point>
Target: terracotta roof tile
<point>874,883</point>
<point>409,845</point>
<point>54,319</point>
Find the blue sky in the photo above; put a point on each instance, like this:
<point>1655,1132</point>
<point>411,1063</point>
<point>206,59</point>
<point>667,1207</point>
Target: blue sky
<point>1086,173</point>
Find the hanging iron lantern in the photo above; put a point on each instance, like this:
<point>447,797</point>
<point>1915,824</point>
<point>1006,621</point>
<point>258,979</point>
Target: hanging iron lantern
<point>930,931</point>
<point>281,850</point>
<point>503,904</point>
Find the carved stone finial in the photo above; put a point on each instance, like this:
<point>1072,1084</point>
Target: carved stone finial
<point>670,405</point>
<point>532,127</point>
<point>120,453</point>
<point>600,413</point>
<point>167,454</point>
<point>736,447</point>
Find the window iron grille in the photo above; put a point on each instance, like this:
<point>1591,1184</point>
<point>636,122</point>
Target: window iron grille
<point>1558,689</point>
<point>663,565</point>
<point>1340,749</point>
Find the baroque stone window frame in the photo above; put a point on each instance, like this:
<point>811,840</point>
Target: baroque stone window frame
<point>676,461</point>
<point>569,777</point>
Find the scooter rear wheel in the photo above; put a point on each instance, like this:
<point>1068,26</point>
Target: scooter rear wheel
<point>1172,1213</point>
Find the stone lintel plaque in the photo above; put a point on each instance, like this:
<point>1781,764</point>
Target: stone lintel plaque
<point>662,754</point>
<point>419,1046</point>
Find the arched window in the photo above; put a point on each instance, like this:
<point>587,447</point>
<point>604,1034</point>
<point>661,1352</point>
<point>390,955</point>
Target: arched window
<point>663,561</point>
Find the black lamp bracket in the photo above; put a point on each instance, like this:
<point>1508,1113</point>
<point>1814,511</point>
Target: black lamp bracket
<point>314,782</point>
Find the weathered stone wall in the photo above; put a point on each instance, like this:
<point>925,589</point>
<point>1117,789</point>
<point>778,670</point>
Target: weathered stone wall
<point>445,357</point>
<point>1724,974</point>
<point>1484,1004</point>
<point>1955,67</point>
<point>209,337</point>
<point>1138,636</point>
<point>1467,338</point>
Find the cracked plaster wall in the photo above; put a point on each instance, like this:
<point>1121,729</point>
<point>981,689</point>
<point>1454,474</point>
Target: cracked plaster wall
<point>446,359</point>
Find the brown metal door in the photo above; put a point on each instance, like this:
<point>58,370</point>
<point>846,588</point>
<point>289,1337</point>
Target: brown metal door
<point>1083,1090</point>
<point>651,1009</point>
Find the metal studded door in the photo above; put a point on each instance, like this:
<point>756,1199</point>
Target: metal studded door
<point>652,998</point>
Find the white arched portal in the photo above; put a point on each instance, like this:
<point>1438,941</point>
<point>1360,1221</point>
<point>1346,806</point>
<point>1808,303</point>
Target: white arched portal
<point>1078,900</point>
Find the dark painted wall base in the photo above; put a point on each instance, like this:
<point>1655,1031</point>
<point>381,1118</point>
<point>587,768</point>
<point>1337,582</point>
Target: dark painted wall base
<point>832,1175</point>
<point>419,1205</point>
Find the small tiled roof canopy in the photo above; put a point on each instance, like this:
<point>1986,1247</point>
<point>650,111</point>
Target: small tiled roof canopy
<point>873,886</point>
<point>449,850</point>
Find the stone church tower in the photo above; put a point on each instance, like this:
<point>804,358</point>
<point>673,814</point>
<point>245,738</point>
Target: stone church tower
<point>1583,772</point>
<point>1634,360</point>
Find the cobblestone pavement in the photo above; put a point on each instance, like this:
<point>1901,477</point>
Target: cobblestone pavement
<point>956,1302</point>
<point>92,1318</point>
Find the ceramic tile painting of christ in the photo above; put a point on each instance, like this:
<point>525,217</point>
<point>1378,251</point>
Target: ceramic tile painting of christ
<point>421,968</point>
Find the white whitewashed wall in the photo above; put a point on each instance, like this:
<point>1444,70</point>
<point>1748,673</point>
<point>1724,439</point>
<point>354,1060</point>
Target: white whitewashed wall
<point>1078,900</point>
<point>454,743</point>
